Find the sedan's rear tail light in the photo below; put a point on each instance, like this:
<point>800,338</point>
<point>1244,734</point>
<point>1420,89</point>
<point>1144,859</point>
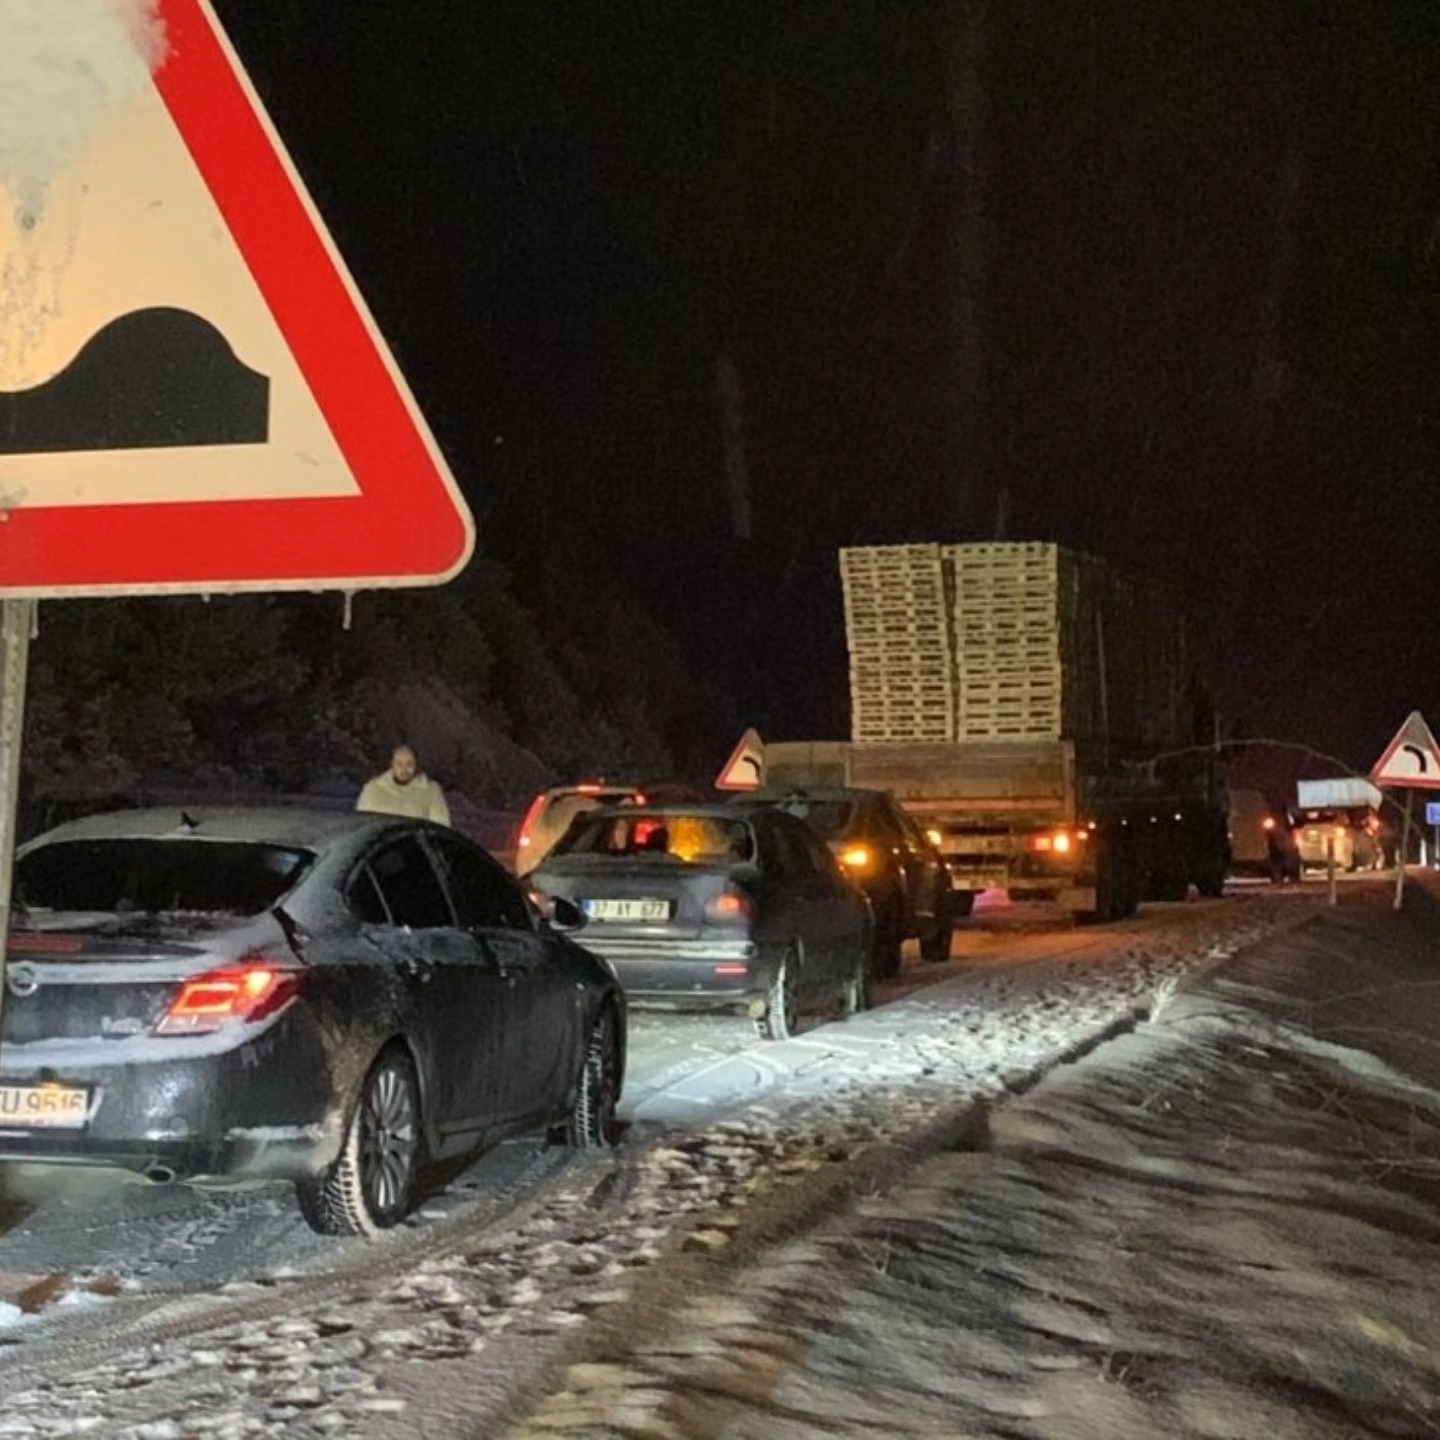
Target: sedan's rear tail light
<point>246,992</point>
<point>732,906</point>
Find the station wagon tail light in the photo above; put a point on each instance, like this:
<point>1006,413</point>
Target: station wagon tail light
<point>246,992</point>
<point>528,823</point>
<point>856,857</point>
<point>730,907</point>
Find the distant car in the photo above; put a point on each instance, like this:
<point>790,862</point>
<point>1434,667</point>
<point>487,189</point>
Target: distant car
<point>552,810</point>
<point>1356,835</point>
<point>886,854</point>
<point>701,906</point>
<point>322,997</point>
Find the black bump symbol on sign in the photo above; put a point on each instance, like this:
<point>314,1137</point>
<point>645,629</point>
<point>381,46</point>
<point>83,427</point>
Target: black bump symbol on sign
<point>153,379</point>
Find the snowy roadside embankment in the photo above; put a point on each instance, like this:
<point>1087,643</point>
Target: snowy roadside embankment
<point>718,1165</point>
<point>1220,1225</point>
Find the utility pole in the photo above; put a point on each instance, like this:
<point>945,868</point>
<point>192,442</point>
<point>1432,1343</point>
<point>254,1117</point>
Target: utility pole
<point>968,258</point>
<point>17,617</point>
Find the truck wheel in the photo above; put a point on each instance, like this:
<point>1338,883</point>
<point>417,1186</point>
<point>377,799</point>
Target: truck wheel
<point>962,904</point>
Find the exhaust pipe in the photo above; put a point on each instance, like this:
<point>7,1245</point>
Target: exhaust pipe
<point>159,1174</point>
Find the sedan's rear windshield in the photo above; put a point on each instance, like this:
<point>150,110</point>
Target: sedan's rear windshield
<point>211,877</point>
<point>692,839</point>
<point>829,819</point>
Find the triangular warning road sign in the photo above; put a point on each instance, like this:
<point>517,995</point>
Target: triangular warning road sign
<point>193,396</point>
<point>745,769</point>
<point>1412,758</point>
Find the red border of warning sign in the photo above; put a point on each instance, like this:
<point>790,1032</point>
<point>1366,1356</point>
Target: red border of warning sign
<point>1418,735</point>
<point>408,524</point>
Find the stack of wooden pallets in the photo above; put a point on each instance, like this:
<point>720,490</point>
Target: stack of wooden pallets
<point>1007,641</point>
<point>897,622</point>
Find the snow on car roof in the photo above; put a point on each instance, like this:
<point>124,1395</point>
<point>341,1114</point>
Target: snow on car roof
<point>274,825</point>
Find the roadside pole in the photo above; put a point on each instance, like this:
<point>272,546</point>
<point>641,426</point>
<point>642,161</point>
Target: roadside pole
<point>1330,865</point>
<point>1404,847</point>
<point>16,619</point>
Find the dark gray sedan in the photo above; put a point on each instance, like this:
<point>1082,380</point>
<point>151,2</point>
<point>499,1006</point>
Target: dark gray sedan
<point>332,999</point>
<point>699,906</point>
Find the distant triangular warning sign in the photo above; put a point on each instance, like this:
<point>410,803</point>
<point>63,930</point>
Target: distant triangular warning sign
<point>193,395</point>
<point>745,769</point>
<point>1412,758</point>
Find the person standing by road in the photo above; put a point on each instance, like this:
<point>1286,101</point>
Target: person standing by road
<point>405,789</point>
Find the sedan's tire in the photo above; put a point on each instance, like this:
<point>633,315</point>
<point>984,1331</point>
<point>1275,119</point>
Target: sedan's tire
<point>592,1118</point>
<point>935,942</point>
<point>782,1002</point>
<point>889,940</point>
<point>371,1185</point>
<point>855,995</point>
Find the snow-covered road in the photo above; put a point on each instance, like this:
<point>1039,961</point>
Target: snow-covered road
<point>227,1305</point>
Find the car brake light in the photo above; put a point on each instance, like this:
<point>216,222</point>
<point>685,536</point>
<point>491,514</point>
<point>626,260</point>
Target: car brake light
<point>589,788</point>
<point>531,816</point>
<point>246,992</point>
<point>856,857</point>
<point>1062,842</point>
<point>730,907</point>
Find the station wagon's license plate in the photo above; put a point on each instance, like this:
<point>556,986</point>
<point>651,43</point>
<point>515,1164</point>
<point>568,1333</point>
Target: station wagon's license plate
<point>627,909</point>
<point>44,1107</point>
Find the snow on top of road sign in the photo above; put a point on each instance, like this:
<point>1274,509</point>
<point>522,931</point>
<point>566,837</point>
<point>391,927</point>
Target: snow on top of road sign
<point>62,67</point>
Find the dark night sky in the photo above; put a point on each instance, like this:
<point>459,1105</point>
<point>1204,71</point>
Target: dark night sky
<point>1212,336</point>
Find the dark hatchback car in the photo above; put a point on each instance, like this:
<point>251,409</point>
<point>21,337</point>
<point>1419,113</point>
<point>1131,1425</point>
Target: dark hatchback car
<point>333,999</point>
<point>886,854</point>
<point>700,906</point>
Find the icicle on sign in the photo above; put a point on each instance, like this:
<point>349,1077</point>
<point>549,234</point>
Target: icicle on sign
<point>193,396</point>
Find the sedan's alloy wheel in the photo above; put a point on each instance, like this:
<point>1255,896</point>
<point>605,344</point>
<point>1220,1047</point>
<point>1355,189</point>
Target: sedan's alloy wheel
<point>371,1186</point>
<point>782,1003</point>
<point>592,1120</point>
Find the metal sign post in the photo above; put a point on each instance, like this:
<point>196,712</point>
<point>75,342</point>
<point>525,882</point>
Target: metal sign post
<point>16,619</point>
<point>1404,847</point>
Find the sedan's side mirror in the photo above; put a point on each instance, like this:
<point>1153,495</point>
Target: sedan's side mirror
<point>565,915</point>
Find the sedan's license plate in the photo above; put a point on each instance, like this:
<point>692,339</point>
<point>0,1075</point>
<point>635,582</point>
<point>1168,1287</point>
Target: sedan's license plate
<point>45,1107</point>
<point>628,909</point>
